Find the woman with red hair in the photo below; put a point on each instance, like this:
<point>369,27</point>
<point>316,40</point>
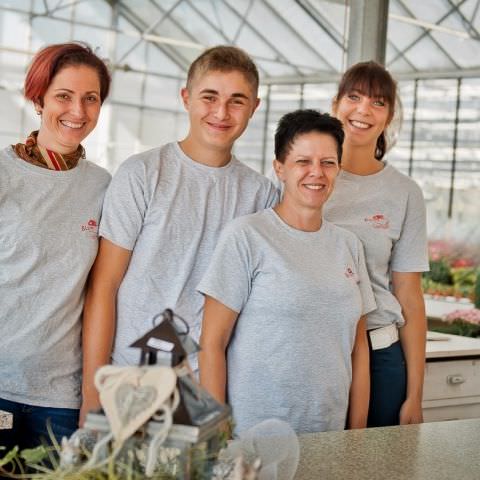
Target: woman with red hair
<point>50,204</point>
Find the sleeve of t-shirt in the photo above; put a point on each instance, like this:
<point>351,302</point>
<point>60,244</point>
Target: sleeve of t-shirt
<point>364,283</point>
<point>228,278</point>
<point>125,205</point>
<point>410,252</point>
<point>272,176</point>
<point>273,196</point>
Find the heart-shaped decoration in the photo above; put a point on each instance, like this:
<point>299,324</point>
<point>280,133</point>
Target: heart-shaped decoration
<point>131,395</point>
<point>131,400</point>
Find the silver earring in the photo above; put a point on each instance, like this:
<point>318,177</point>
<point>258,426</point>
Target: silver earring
<point>39,112</point>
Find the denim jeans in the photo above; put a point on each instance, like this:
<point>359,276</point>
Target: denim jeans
<point>388,385</point>
<point>30,424</point>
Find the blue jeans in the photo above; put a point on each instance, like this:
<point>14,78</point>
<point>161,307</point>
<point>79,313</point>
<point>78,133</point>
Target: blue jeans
<point>30,424</point>
<point>388,387</point>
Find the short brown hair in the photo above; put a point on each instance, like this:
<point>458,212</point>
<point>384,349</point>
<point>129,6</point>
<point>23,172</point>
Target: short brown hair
<point>372,79</point>
<point>301,122</point>
<point>224,58</point>
<point>50,60</point>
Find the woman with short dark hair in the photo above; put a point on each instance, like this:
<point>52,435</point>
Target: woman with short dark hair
<point>286,293</point>
<point>50,204</point>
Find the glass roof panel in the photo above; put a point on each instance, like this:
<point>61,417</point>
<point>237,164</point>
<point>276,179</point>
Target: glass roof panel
<point>17,4</point>
<point>96,12</point>
<point>425,55</point>
<point>11,36</point>
<point>46,30</point>
<point>199,26</point>
<point>281,34</point>
<point>308,28</point>
<point>464,51</point>
<point>402,34</point>
<point>400,65</point>
<point>427,10</point>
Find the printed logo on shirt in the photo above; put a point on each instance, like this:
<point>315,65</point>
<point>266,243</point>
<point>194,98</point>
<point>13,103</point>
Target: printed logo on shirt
<point>378,221</point>
<point>91,227</point>
<point>349,273</point>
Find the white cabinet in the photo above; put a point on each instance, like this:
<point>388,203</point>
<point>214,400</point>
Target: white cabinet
<point>452,378</point>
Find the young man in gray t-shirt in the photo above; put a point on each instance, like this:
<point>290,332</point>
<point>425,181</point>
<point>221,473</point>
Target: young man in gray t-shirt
<point>164,211</point>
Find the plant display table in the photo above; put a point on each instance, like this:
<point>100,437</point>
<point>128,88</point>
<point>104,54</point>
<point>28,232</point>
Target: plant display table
<point>438,307</point>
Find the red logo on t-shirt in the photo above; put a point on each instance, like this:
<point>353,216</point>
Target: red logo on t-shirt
<point>349,273</point>
<point>91,228</point>
<point>378,221</point>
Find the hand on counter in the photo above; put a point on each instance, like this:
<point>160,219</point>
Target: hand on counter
<point>411,412</point>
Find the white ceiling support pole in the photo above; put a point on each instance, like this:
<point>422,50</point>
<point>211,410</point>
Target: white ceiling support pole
<point>367,32</point>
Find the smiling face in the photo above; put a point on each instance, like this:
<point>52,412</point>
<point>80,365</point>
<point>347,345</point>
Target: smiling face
<point>309,170</point>
<point>71,106</point>
<point>219,105</point>
<point>364,117</point>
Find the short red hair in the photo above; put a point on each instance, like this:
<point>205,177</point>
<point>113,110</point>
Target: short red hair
<point>50,60</point>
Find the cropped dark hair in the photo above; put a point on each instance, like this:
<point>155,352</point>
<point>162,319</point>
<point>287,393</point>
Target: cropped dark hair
<point>224,58</point>
<point>51,59</point>
<point>299,122</point>
<point>372,79</point>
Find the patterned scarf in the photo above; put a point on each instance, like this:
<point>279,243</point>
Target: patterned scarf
<point>33,153</point>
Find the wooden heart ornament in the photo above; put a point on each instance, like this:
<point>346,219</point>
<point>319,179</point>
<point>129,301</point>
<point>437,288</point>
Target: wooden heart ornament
<point>131,395</point>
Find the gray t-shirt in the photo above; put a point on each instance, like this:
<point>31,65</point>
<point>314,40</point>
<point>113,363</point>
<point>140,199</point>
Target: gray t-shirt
<point>169,210</point>
<point>387,212</point>
<point>300,296</point>
<point>48,242</point>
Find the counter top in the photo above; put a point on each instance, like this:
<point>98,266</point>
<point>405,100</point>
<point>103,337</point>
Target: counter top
<point>442,345</point>
<point>431,451</point>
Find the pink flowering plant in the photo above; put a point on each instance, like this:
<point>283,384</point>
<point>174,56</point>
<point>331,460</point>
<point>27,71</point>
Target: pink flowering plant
<point>464,322</point>
<point>470,315</point>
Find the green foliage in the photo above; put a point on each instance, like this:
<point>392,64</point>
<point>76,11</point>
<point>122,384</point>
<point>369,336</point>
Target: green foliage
<point>9,457</point>
<point>477,290</point>
<point>32,456</point>
<point>464,276</point>
<point>436,288</point>
<point>457,327</point>
<point>41,463</point>
<point>439,272</point>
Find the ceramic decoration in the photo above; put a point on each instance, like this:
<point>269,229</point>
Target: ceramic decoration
<point>130,396</point>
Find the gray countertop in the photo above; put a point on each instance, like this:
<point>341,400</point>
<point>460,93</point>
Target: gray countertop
<point>431,451</point>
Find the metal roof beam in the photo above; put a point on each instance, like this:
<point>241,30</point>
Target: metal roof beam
<point>367,32</point>
<point>242,23</point>
<point>329,77</point>
<point>177,24</point>
<point>449,57</point>
<point>474,14</point>
<point>217,16</point>
<point>465,20</point>
<point>322,22</point>
<point>140,25</point>
<point>335,34</point>
<point>295,33</point>
<point>425,33</point>
<point>154,25</point>
<point>246,23</point>
<point>60,6</point>
<point>280,58</point>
